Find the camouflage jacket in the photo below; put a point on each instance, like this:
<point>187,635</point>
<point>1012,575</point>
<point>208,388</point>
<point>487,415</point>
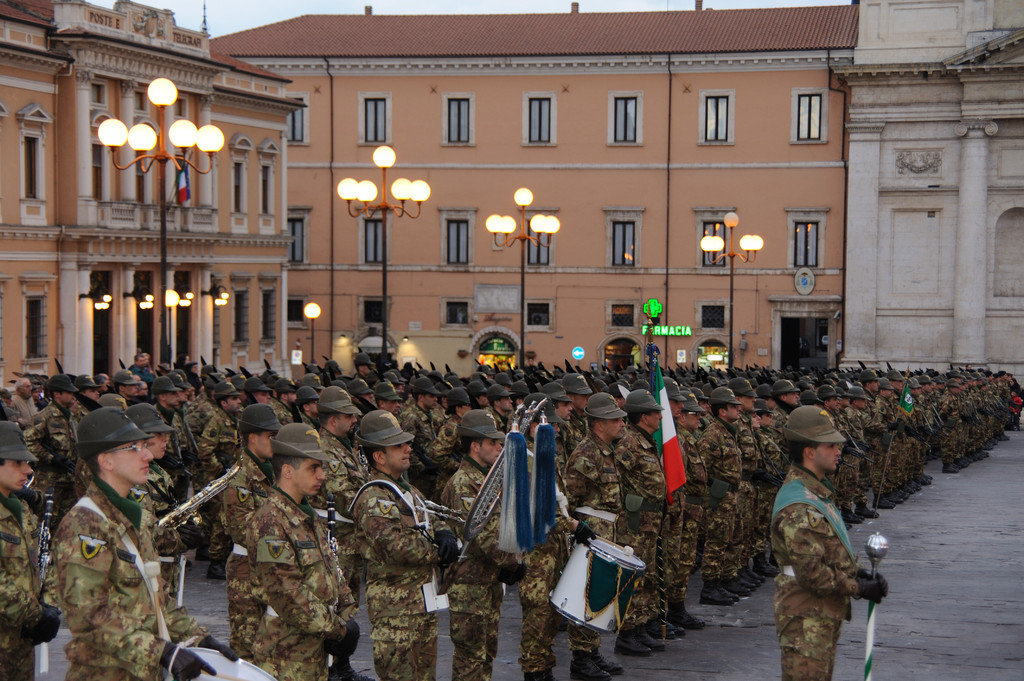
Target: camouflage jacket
<point>53,430</point>
<point>198,412</point>
<point>346,473</point>
<point>696,472</point>
<point>825,572</point>
<point>750,454</point>
<point>19,576</point>
<point>483,559</point>
<point>418,422</point>
<point>501,421</point>
<point>157,498</point>
<point>771,450</point>
<point>573,431</point>
<point>298,577</point>
<point>641,480</point>
<point>399,558</point>
<point>218,443</point>
<point>592,480</point>
<point>445,449</point>
<point>282,411</point>
<point>108,607</point>
<point>721,453</point>
<point>179,440</point>
<point>248,490</point>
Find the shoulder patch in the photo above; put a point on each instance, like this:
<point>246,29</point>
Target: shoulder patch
<point>467,502</point>
<point>90,546</point>
<point>137,494</point>
<point>243,494</point>
<point>273,550</point>
<point>814,517</point>
<point>333,466</point>
<point>386,508</point>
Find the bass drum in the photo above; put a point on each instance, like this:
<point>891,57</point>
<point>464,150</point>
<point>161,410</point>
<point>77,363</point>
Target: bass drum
<point>597,584</point>
<point>227,668</point>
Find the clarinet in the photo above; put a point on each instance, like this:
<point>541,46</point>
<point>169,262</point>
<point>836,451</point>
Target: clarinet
<point>44,537</point>
<point>332,540</point>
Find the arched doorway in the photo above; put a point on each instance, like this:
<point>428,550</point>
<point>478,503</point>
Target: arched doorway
<point>497,352</point>
<point>620,353</point>
<point>713,354</point>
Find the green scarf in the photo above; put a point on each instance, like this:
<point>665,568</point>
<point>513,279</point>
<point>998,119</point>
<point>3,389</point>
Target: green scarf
<point>728,426</point>
<point>132,510</point>
<point>303,505</point>
<point>479,466</point>
<point>401,481</point>
<point>13,505</point>
<point>265,466</point>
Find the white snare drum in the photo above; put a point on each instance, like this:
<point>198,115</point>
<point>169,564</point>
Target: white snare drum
<point>596,585</point>
<point>227,668</point>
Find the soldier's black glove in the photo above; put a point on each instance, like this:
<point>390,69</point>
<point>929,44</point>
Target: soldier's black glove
<point>447,546</point>
<point>63,462</point>
<point>46,628</point>
<point>873,589</point>
<point>222,648</point>
<point>892,426</point>
<point>183,664</point>
<point>192,536</point>
<point>28,495</point>
<point>342,647</point>
<point>512,575</point>
<point>583,534</point>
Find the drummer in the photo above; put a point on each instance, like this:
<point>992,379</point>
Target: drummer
<point>592,488</point>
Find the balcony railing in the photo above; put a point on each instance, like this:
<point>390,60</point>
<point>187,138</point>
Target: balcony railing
<point>146,216</point>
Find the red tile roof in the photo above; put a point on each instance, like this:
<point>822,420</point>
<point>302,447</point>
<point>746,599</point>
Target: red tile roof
<point>749,30</point>
<point>245,67</point>
<point>30,11</point>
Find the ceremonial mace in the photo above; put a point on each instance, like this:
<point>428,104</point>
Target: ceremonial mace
<point>876,547</point>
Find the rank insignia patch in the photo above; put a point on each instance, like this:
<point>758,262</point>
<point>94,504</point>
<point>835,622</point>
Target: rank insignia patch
<point>275,547</point>
<point>90,546</point>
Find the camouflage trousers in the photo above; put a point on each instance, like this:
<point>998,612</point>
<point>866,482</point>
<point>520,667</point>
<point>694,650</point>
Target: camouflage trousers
<point>244,610</point>
<point>739,551</point>
<point>307,668</point>
<point>474,610</point>
<point>672,545</point>
<point>644,605</point>
<point>540,619</point>
<point>762,518</point>
<point>405,647</point>
<point>719,536</point>
<point>170,570</point>
<point>846,481</point>
<point>351,565</point>
<point>18,661</point>
<point>808,647</point>
<point>679,567</point>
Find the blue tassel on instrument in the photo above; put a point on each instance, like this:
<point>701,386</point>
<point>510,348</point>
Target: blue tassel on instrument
<point>515,534</point>
<point>543,483</point>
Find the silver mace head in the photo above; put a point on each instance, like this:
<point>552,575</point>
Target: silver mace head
<point>876,547</point>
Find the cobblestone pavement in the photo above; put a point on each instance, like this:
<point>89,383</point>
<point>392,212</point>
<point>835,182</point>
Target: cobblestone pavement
<point>955,609</point>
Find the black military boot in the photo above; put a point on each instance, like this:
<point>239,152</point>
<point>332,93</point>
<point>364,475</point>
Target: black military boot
<point>713,594</point>
<point>751,575</point>
<point>884,502</point>
<point>216,570</point>
<point>735,586</point>
<point>584,668</point>
<point>654,630</point>
<point>763,567</point>
<point>341,670</point>
<point>603,663</point>
<point>627,644</point>
<point>863,511</point>
<point>644,638</point>
<point>534,676</point>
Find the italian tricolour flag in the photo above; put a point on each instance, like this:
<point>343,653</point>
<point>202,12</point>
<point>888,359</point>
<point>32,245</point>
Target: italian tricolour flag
<point>181,182</point>
<point>668,440</point>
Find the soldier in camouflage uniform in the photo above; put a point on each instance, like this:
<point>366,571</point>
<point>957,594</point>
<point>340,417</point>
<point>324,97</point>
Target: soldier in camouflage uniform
<point>121,624</point>
<point>445,450</point>
<point>201,408</point>
<point>306,399</point>
<point>86,397</point>
<point>218,451</point>
<point>644,491</point>
<point>721,455</point>
<point>595,497</point>
<point>169,396</point>
<point>787,398</point>
<point>474,591</point>
<point>819,572</point>
<point>346,472</point>
<point>247,491</point>
<point>51,439</point>
<point>575,428</point>
<point>400,560</point>
<point>751,541</point>
<point>418,421</point>
<point>562,404</point>
<point>283,399</point>
<point>387,398</point>
<point>309,608</point>
<point>499,404</point>
<point>25,620</point>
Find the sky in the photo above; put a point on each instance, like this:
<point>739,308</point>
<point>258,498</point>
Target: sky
<point>222,16</point>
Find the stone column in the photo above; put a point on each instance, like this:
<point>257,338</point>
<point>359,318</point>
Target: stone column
<point>69,307</point>
<point>125,154</point>
<point>83,337</point>
<point>204,319</point>
<point>205,180</point>
<point>970,290</point>
<point>83,147</point>
<point>862,242</point>
<point>128,319</point>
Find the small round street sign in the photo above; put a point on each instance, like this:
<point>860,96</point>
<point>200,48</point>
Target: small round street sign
<point>577,353</point>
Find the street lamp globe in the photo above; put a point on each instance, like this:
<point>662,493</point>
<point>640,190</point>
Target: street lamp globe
<point>366,191</point>
<point>348,189</point>
<point>711,244</point>
<point>751,242</point>
<point>311,311</point>
<point>731,219</point>
<point>162,92</point>
<point>523,197</point>
<point>183,134</point>
<point>141,137</point>
<point>384,157</point>
<point>420,191</point>
<point>210,139</point>
<point>401,189</point>
<point>113,133</point>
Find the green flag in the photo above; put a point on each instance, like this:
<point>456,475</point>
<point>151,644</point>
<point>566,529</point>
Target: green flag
<point>906,399</point>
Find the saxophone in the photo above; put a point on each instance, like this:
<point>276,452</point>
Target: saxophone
<point>184,512</point>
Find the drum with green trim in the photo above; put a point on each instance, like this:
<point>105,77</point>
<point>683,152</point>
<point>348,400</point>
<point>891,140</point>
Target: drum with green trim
<point>597,584</point>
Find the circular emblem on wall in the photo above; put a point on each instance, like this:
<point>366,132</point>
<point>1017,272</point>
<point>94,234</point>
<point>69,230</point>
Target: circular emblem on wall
<point>804,281</point>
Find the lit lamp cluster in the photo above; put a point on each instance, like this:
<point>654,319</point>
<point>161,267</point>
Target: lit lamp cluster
<point>365,192</point>
<point>173,298</point>
<point>750,244</point>
<point>151,147</point>
<point>544,226</point>
<point>220,295</point>
<point>103,303</point>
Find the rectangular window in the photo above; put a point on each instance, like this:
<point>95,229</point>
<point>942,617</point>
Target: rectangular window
<point>98,93</point>
<point>31,167</point>
<point>716,119</point>
<point>458,121</point>
<point>141,101</point>
<point>372,246</point>
<point>140,182</point>
<point>713,229</point>
<point>375,121</point>
<point>97,171</point>
<point>266,188</point>
<point>296,126</point>
<point>294,311</point>
<point>538,314</point>
<point>537,254</point>
<point>297,231</point>
<point>35,327</point>
<point>373,312</point>
<point>625,119</point>
<point>712,316</point>
<point>808,117</point>
<point>623,243</point>
<point>269,318</point>
<point>540,120</point>
<point>805,244</point>
<point>237,177</point>
<point>458,242</point>
<point>241,316</point>
<point>622,315</point>
<point>456,312</point>
<point>181,106</point>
